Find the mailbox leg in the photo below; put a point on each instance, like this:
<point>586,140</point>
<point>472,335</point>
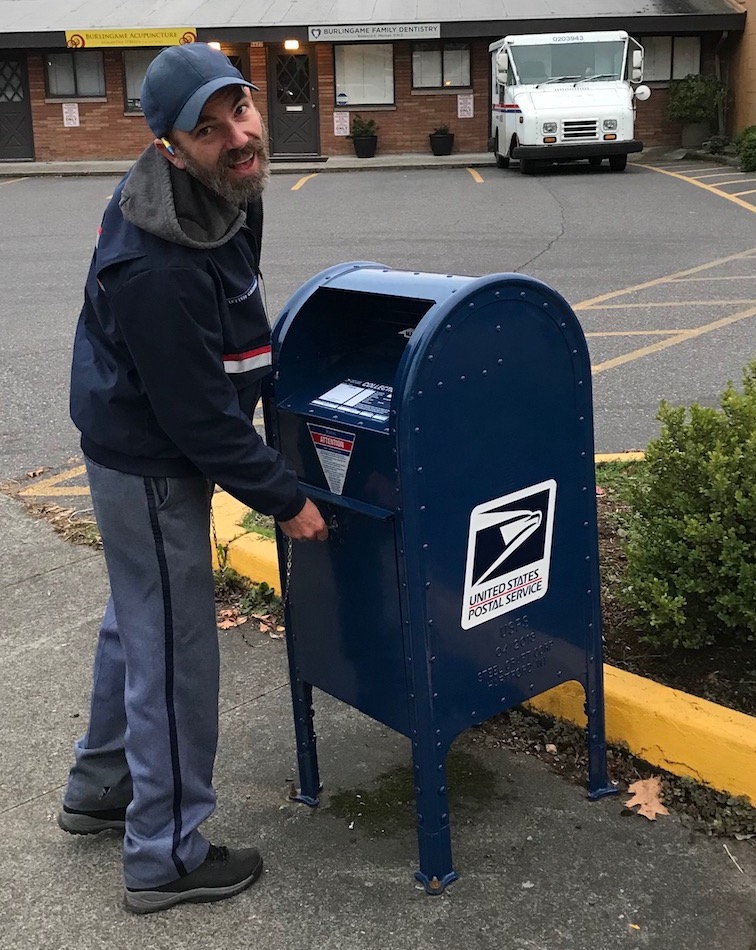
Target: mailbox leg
<point>598,779</point>
<point>307,756</point>
<point>433,831</point>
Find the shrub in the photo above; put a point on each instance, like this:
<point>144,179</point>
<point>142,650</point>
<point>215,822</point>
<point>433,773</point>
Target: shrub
<point>441,130</point>
<point>362,128</point>
<point>691,534</point>
<point>746,149</point>
<point>716,144</point>
<point>695,98</point>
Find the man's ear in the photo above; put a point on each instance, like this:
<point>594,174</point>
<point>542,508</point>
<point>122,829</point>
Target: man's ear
<point>166,149</point>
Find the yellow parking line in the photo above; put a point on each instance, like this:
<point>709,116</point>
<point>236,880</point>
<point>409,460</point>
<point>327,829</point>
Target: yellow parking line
<point>702,184</point>
<point>476,176</point>
<point>13,181</point>
<point>706,280</point>
<point>743,255</point>
<point>673,341</point>
<point>303,181</point>
<point>634,332</point>
<point>671,303</point>
<point>49,487</point>
<point>751,192</point>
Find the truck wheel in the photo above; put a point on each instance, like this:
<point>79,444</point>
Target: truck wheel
<point>502,161</point>
<point>618,163</point>
<point>595,160</point>
<point>527,166</point>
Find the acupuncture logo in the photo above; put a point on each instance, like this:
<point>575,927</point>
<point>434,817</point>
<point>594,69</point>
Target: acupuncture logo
<point>508,553</point>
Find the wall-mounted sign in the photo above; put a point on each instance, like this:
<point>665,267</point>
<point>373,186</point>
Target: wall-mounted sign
<point>341,123</point>
<point>375,31</point>
<point>177,36</point>
<point>71,115</point>
<point>465,107</point>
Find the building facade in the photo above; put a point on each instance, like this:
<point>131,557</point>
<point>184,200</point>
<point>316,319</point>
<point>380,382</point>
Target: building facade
<point>69,89</point>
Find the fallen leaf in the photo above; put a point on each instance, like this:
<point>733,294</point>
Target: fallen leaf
<point>634,926</point>
<point>551,748</point>
<point>283,630</point>
<point>647,794</point>
<point>600,490</point>
<point>229,618</point>
<point>35,472</point>
<point>273,635</point>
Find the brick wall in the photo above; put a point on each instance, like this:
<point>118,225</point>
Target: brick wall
<point>104,133</point>
<point>406,127</point>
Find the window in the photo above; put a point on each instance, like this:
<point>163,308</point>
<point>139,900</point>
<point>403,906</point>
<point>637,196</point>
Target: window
<point>670,57</point>
<point>75,74</point>
<point>364,74</point>
<point>440,65</point>
<point>135,63</point>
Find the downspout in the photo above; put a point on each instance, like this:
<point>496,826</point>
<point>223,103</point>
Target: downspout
<point>722,106</point>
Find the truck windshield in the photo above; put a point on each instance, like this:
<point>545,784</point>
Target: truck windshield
<point>562,62</point>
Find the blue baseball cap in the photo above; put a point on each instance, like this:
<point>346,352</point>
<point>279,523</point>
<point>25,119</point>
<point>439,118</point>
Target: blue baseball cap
<point>180,80</point>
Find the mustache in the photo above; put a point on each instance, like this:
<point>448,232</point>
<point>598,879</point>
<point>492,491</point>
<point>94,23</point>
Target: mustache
<point>242,154</point>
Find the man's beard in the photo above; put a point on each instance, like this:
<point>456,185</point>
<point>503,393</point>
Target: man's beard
<point>221,180</point>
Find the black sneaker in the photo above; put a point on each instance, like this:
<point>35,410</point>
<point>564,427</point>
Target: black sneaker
<point>77,822</point>
<point>223,873</point>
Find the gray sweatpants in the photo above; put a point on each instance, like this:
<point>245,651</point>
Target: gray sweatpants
<point>153,726</point>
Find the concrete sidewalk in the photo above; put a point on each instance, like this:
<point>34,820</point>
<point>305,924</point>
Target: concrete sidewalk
<point>541,868</point>
<point>341,163</point>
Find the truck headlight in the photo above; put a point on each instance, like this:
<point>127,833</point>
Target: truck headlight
<point>549,127</point>
<point>610,124</point>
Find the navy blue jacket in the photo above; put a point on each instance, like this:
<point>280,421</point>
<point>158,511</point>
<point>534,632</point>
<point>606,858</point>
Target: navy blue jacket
<point>173,341</point>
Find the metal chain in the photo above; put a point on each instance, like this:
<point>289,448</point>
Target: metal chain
<point>287,578</point>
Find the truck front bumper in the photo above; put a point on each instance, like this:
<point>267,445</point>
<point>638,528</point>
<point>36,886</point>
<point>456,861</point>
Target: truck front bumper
<point>553,153</point>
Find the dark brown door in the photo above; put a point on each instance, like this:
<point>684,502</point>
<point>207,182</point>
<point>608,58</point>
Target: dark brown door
<point>294,104</point>
<point>16,140</point>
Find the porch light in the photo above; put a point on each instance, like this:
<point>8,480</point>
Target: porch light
<point>214,45</point>
<point>291,44</point>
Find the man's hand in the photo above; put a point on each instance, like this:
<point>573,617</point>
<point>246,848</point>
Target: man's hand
<point>308,525</point>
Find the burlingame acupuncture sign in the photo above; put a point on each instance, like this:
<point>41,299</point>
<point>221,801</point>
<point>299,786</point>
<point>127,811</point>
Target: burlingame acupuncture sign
<point>173,36</point>
<point>375,31</point>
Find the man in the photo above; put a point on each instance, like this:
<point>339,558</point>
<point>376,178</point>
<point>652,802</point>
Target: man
<point>170,351</point>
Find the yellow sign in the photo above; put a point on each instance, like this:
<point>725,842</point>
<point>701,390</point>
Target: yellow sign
<point>175,36</point>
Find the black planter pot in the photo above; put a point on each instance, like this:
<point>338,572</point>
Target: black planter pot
<point>441,143</point>
<point>365,145</point>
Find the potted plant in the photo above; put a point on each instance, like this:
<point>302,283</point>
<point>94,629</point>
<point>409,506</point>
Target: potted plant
<point>441,140</point>
<point>695,101</point>
<point>364,136</point>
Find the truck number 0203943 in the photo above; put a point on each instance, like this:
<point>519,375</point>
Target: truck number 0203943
<point>567,39</point>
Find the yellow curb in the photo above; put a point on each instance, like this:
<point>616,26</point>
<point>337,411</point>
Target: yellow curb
<point>668,728</point>
<point>248,553</point>
<point>676,731</point>
<point>621,457</point>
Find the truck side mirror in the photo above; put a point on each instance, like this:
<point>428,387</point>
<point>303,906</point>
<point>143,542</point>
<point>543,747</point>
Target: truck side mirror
<point>637,70</point>
<point>502,66</point>
<point>642,93</point>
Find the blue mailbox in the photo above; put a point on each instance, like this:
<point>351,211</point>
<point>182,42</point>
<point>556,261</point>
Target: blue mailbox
<point>444,427</point>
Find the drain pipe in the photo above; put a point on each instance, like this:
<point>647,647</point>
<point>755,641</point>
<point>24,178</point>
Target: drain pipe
<point>722,106</point>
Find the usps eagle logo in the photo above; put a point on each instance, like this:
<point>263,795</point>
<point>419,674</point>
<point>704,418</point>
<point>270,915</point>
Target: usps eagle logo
<point>508,553</point>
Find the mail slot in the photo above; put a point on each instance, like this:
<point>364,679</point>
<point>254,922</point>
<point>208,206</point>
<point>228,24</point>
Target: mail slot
<point>444,427</point>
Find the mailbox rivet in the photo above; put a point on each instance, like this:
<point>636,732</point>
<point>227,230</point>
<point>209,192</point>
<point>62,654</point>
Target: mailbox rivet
<point>433,660</point>
<point>427,585</point>
<point>585,524</point>
<point>448,327</point>
<point>430,358</point>
<point>422,507</point>
<point>444,816</point>
<point>425,547</point>
<point>430,623</point>
<point>574,352</point>
<point>485,372</point>
<point>419,468</point>
<point>498,328</point>
<point>417,428</point>
<point>419,392</point>
<point>435,696</point>
<point>440,385</point>
<point>589,592</point>
<point>559,672</point>
<point>564,324</point>
<point>500,362</point>
<point>471,306</point>
<point>580,382</point>
<point>440,768</point>
<point>442,790</point>
<point>581,418</point>
<point>462,378</point>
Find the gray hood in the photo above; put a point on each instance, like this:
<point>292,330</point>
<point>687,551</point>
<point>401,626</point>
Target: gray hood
<point>172,204</point>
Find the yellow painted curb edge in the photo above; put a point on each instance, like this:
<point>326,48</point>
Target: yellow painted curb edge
<point>671,729</point>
